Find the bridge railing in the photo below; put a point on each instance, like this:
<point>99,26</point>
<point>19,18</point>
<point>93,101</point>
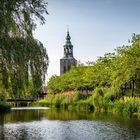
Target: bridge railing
<point>22,100</point>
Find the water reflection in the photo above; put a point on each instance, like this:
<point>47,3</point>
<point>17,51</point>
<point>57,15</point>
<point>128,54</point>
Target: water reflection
<point>65,125</point>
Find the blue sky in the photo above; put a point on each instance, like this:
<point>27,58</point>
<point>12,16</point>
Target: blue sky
<point>96,27</point>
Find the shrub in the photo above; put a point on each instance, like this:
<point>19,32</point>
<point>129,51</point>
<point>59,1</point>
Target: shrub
<point>118,106</point>
<point>42,103</point>
<point>56,101</point>
<point>131,104</point>
<point>127,105</point>
<point>4,107</point>
<point>96,102</point>
<point>84,105</point>
<point>65,103</point>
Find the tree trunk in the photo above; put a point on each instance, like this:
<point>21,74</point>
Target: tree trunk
<point>124,89</point>
<point>132,88</point>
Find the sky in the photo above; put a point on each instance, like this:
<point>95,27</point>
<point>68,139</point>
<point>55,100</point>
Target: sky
<point>96,27</point>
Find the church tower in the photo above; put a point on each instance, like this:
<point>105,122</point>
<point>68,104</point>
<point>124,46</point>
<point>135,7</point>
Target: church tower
<point>68,60</point>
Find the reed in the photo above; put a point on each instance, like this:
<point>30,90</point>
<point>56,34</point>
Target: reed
<point>97,102</point>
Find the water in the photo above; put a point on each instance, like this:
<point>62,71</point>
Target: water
<point>47,124</point>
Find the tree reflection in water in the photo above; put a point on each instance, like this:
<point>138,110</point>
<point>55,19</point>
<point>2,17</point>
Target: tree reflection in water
<point>62,125</point>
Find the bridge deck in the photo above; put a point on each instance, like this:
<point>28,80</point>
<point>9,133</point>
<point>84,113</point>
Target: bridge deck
<point>22,100</point>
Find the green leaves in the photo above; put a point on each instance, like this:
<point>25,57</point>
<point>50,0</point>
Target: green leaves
<point>21,56</point>
<point>19,15</point>
<point>22,59</point>
<point>128,64</point>
<point>119,71</point>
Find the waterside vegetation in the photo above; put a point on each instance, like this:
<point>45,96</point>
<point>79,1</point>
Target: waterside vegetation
<point>96,103</point>
<point>23,59</point>
<point>4,107</point>
<point>113,80</point>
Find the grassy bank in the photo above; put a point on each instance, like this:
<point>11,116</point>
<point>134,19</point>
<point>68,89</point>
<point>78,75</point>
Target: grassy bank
<point>96,102</point>
<point>4,107</point>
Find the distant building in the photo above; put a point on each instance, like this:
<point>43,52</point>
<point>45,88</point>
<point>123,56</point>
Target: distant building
<point>68,60</point>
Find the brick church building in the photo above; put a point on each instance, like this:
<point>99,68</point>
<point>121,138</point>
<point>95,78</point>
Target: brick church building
<point>68,59</point>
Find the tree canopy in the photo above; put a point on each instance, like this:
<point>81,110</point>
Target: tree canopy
<point>21,55</point>
<point>119,71</point>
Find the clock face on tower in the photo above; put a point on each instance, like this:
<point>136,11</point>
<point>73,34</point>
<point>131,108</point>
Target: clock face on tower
<point>68,60</point>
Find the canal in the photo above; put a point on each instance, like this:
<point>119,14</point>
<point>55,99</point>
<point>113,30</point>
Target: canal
<point>50,124</point>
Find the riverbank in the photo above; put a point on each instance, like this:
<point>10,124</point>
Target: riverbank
<point>96,103</point>
<point>4,107</point>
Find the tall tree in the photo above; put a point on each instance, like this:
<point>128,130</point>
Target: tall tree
<point>21,56</point>
<point>128,65</point>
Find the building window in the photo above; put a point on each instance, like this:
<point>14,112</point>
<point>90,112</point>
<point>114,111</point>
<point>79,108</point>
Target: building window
<point>64,69</point>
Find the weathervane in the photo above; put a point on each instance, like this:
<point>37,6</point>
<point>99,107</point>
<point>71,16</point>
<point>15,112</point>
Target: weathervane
<point>67,28</point>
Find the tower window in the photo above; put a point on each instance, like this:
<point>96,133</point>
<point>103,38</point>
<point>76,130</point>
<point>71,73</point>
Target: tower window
<point>64,69</point>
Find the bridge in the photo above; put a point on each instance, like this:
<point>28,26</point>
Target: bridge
<point>22,100</point>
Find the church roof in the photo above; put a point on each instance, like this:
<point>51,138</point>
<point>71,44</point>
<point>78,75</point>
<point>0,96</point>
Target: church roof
<point>68,48</point>
<point>68,42</point>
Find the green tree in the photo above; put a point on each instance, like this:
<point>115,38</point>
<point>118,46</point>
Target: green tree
<point>21,55</point>
<point>127,70</point>
<point>117,73</point>
<point>53,86</point>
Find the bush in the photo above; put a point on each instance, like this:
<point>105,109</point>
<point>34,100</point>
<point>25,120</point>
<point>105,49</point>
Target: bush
<point>56,102</point>
<point>85,105</point>
<point>41,103</point>
<point>96,102</point>
<point>65,103</point>
<point>127,105</point>
<point>4,107</point>
<point>131,104</point>
<point>118,106</point>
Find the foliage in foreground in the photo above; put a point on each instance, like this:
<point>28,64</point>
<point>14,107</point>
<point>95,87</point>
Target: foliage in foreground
<point>97,102</point>
<point>22,57</point>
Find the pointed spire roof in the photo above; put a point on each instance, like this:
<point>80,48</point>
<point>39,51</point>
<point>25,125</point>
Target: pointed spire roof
<point>68,47</point>
<point>68,41</point>
<point>68,36</point>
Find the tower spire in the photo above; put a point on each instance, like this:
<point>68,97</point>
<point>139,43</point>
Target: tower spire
<point>68,38</point>
<point>68,47</point>
<point>68,60</point>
